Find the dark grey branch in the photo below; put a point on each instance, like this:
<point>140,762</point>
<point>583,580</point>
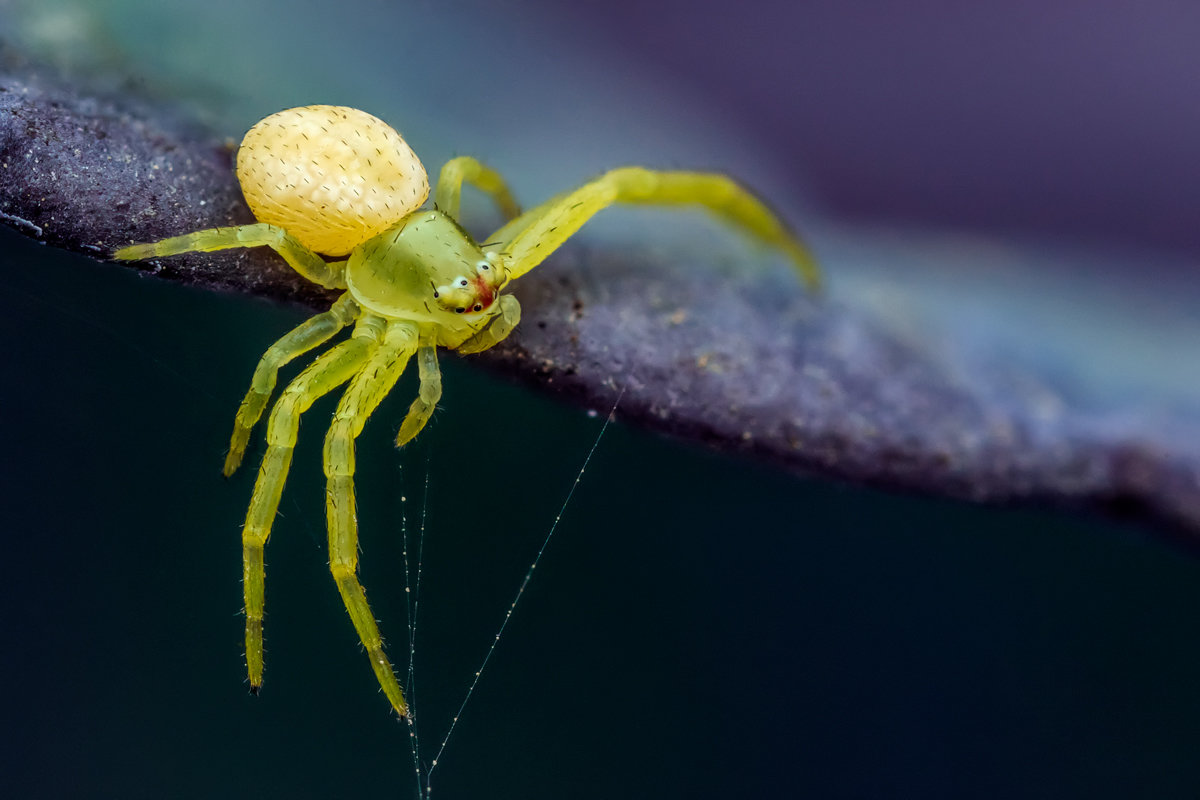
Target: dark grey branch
<point>754,367</point>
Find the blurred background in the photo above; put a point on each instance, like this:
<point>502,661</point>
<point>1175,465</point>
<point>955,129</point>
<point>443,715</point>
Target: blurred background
<point>701,627</point>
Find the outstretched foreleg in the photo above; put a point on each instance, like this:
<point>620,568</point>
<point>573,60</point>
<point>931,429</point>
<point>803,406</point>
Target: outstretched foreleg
<point>534,236</point>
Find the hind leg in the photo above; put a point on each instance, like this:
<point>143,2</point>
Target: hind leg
<point>331,275</point>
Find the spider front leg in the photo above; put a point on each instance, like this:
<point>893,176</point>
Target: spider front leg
<point>301,339</point>
<point>535,235</point>
<point>362,396</point>
<point>510,229</point>
<point>322,376</point>
<point>331,275</point>
<point>456,171</point>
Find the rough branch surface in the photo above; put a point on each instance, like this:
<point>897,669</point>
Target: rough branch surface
<point>755,367</point>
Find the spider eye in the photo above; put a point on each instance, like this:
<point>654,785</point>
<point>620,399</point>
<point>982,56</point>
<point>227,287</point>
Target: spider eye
<point>477,307</point>
<point>459,310</point>
<point>462,282</point>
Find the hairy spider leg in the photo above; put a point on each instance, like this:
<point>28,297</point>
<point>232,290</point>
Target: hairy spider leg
<point>329,371</point>
<point>330,274</point>
<point>510,229</point>
<point>532,237</point>
<point>499,329</point>
<point>428,394</point>
<point>362,396</point>
<point>299,340</point>
<point>462,169</point>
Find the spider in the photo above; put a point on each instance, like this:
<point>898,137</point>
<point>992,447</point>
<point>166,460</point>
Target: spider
<point>340,182</point>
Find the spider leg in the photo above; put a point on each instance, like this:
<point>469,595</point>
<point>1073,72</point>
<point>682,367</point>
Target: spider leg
<point>328,372</point>
<point>548,226</point>
<point>330,274</point>
<point>456,171</point>
<point>498,330</point>
<point>361,398</point>
<point>510,229</point>
<point>428,394</point>
<point>301,339</point>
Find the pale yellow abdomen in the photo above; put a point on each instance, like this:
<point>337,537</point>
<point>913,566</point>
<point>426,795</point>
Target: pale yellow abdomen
<point>331,176</point>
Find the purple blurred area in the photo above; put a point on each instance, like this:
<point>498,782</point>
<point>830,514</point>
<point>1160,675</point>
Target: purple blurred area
<point>1072,118</point>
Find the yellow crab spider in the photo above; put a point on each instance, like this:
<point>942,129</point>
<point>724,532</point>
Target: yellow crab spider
<point>340,182</point>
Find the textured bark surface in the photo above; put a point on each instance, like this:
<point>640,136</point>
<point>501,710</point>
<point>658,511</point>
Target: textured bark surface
<point>756,367</point>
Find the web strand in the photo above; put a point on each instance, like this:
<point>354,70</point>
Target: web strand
<point>416,592</point>
<point>412,597</point>
<point>520,593</point>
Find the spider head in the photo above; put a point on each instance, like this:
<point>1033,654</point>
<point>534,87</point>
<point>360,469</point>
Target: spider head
<point>475,291</point>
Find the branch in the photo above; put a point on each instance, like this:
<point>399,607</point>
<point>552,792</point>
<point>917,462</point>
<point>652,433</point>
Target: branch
<point>756,367</point>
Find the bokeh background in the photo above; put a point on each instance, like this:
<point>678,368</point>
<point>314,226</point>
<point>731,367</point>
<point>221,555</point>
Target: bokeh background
<point>701,627</point>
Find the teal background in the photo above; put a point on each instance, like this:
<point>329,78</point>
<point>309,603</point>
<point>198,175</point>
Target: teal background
<point>700,626</point>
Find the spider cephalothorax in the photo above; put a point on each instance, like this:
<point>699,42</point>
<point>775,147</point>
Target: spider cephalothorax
<point>339,182</point>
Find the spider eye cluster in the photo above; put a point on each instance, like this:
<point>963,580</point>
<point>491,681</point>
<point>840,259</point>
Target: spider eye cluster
<point>473,292</point>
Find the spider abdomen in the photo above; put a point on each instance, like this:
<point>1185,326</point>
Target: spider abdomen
<point>331,176</point>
